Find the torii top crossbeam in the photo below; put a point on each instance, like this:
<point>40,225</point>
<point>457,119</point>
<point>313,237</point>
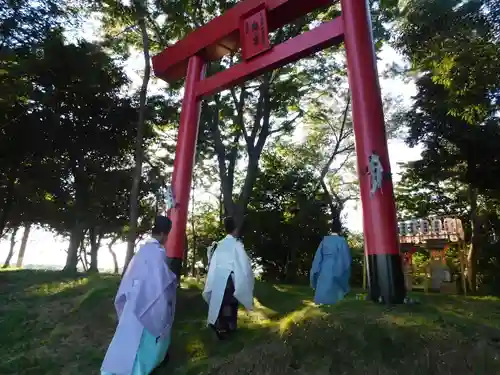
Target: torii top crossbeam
<point>246,27</point>
<point>221,36</point>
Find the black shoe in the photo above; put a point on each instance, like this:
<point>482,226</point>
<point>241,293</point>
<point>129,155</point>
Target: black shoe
<point>232,327</point>
<point>166,359</point>
<point>221,335</point>
<point>162,364</point>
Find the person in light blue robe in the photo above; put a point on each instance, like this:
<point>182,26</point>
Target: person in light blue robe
<point>331,269</point>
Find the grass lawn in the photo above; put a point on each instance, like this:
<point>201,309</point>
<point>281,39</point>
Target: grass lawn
<point>54,325</point>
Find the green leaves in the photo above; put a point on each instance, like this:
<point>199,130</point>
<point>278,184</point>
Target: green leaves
<point>67,136</point>
<point>454,41</point>
<point>455,114</point>
<point>281,236</point>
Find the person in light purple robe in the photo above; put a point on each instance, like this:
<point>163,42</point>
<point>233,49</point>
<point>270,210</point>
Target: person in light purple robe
<point>145,305</point>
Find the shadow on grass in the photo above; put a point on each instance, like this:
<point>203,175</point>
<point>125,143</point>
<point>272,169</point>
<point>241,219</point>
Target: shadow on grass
<point>282,299</point>
<point>68,321</point>
<point>193,344</point>
<point>273,300</point>
<point>53,320</point>
<point>59,324</point>
<point>16,279</point>
<point>353,337</point>
<point>357,337</point>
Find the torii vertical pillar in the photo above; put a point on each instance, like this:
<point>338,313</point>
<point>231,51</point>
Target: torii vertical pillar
<point>246,27</point>
<point>385,273</point>
<point>183,164</point>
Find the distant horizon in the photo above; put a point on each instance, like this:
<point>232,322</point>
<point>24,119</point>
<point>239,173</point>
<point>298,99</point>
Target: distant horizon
<point>53,267</point>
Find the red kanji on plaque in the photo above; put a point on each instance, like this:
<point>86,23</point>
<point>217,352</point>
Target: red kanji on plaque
<point>254,34</point>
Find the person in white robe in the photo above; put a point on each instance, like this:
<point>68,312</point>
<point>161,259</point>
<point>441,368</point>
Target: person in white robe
<point>230,281</point>
<point>145,305</point>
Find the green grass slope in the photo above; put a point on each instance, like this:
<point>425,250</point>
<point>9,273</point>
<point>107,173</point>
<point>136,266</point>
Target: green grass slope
<point>52,324</point>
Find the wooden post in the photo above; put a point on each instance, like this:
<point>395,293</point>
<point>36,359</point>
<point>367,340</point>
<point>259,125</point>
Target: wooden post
<point>364,272</point>
<point>461,253</point>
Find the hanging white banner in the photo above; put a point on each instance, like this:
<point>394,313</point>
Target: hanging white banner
<point>170,198</point>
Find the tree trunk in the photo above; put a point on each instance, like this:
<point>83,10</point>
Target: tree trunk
<point>9,199</point>
<point>336,206</point>
<point>291,267</point>
<point>193,259</point>
<point>94,248</point>
<point>139,151</point>
<point>82,255</point>
<point>24,242</point>
<point>11,249</point>
<point>193,230</point>
<point>221,206</point>
<point>255,142</point>
<point>475,240</point>
<point>113,255</point>
<point>74,245</point>
<point>185,269</point>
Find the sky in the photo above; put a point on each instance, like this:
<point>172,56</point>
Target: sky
<point>46,249</point>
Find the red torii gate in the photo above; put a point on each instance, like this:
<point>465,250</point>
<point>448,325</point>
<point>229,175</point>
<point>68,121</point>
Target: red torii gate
<point>246,26</point>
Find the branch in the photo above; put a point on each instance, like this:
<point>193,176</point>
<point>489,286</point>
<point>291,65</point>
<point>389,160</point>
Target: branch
<point>232,159</point>
<point>287,123</point>
<point>239,104</point>
<point>124,31</point>
<point>157,32</point>
<point>275,74</point>
<point>258,116</point>
<point>344,134</point>
<point>147,161</point>
<point>345,160</point>
<point>256,150</point>
<point>336,151</point>
<point>220,151</point>
<point>266,116</point>
<point>348,148</point>
<point>329,197</point>
<point>219,147</point>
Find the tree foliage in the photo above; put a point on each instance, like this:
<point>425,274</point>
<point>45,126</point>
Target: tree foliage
<point>454,48</point>
<point>287,216</point>
<point>69,130</point>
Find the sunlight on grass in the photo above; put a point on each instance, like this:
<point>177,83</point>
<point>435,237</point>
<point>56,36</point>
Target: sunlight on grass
<point>291,289</point>
<point>260,314</point>
<point>91,296</point>
<point>49,289</point>
<point>61,326</point>
<point>9,269</point>
<point>457,311</point>
<point>407,321</point>
<point>253,320</point>
<point>309,303</point>
<point>298,316</point>
<point>196,348</point>
<point>192,283</point>
<point>280,288</point>
<point>481,298</point>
